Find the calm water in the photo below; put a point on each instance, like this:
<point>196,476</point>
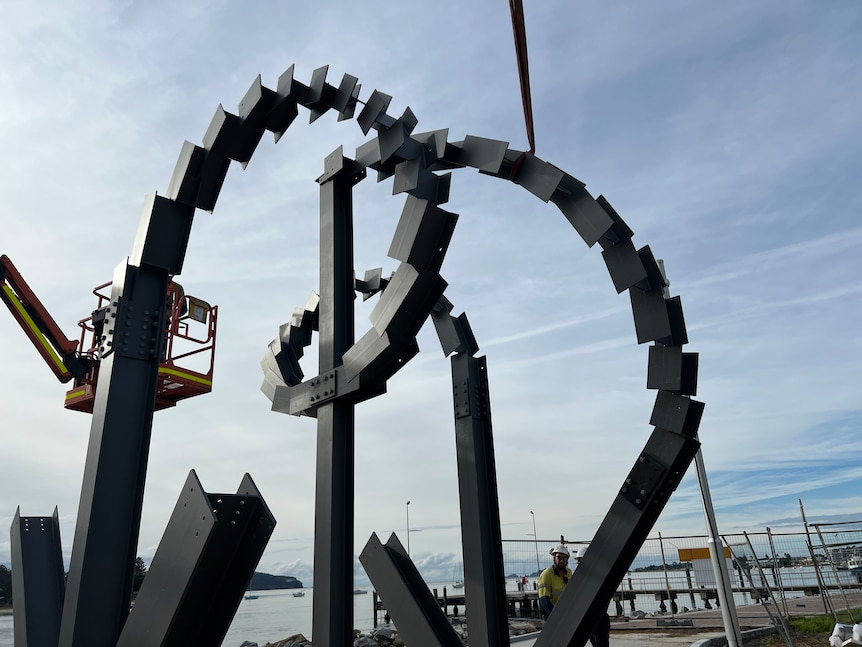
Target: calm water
<point>272,616</point>
<point>277,614</point>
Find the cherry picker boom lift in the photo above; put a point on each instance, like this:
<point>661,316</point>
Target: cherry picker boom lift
<point>189,339</point>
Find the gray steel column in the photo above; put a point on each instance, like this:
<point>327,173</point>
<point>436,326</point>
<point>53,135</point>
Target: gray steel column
<point>484,579</point>
<point>38,579</point>
<point>99,585</point>
<point>332,622</point>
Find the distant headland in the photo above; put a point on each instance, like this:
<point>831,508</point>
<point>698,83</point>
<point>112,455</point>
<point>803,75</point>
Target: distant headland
<point>267,582</point>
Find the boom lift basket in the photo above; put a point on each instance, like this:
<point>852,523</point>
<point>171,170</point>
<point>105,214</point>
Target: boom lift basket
<point>188,355</point>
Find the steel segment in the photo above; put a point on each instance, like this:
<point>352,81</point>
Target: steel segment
<point>434,142</point>
<point>38,579</point>
<point>254,110</point>
<point>376,106</point>
<point>407,302</point>
<point>407,177</point>
<point>99,584</point>
<point>664,368</point>
<point>539,177</point>
<point>201,569</point>
<point>369,351</point>
<point>185,180</point>
<point>368,154</point>
<point>676,413</point>
<point>412,177</point>
<point>316,86</point>
<point>288,364</point>
<point>583,213</point>
<point>655,279</point>
<point>678,334</point>
<point>177,558</point>
<point>688,384</point>
<point>395,142</point>
<point>163,234</point>
<point>271,380</point>
<point>350,109</point>
<point>624,264</point>
<point>422,235</point>
<point>284,110</point>
<point>322,107</point>
<point>332,615</point>
<point>408,120</point>
<point>615,545</point>
<point>341,98</point>
<point>446,326</point>
<point>484,577</point>
<point>465,333</point>
<point>618,230</point>
<point>306,397</point>
<point>481,153</point>
<point>332,611</point>
<point>243,540</point>
<point>219,142</point>
<point>385,172</point>
<point>406,596</point>
<point>649,311</point>
<point>371,283</point>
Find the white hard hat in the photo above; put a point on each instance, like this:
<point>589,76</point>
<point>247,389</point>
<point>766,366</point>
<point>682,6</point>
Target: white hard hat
<point>580,552</point>
<point>559,548</point>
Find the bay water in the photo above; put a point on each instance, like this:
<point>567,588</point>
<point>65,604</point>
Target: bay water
<point>275,615</point>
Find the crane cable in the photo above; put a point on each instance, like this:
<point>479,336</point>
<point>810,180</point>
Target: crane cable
<point>517,9</point>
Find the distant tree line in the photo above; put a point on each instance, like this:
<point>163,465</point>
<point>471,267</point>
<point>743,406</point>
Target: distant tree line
<point>5,586</point>
<point>6,581</point>
<point>675,566</point>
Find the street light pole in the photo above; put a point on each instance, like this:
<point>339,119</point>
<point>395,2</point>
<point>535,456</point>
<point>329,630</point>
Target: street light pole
<point>408,528</point>
<point>536,540</point>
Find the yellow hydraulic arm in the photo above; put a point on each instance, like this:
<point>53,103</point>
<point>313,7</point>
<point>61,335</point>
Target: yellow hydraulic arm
<point>58,352</point>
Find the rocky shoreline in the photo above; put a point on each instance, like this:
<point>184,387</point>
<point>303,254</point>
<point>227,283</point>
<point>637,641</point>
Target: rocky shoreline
<point>387,635</point>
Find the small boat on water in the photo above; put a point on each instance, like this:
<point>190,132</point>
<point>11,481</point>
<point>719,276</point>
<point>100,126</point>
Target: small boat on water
<point>251,596</point>
<point>359,591</point>
<point>298,594</point>
<point>459,579</point>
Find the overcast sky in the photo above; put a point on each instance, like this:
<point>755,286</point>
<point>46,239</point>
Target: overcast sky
<point>725,134</point>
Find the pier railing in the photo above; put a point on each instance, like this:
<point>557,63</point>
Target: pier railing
<point>673,574</point>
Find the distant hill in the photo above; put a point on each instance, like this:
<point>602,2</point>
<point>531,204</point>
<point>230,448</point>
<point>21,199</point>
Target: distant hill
<point>267,582</point>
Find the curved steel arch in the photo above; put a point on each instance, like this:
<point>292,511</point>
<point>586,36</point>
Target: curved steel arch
<point>118,448</point>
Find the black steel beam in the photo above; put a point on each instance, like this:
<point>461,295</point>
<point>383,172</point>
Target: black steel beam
<point>332,620</point>
<point>201,569</point>
<point>38,579</point>
<point>406,596</point>
<point>99,584</point>
<point>655,475</point>
<point>484,578</point>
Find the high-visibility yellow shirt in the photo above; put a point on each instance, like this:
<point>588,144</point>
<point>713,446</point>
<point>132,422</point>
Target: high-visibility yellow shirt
<point>552,585</point>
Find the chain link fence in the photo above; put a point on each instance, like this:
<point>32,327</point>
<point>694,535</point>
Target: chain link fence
<point>673,575</point>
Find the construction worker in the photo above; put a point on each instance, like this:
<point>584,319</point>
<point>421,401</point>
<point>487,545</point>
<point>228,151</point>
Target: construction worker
<point>553,580</point>
<point>552,583</point>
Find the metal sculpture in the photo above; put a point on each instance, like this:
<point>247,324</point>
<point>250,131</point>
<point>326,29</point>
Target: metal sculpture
<point>96,599</point>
